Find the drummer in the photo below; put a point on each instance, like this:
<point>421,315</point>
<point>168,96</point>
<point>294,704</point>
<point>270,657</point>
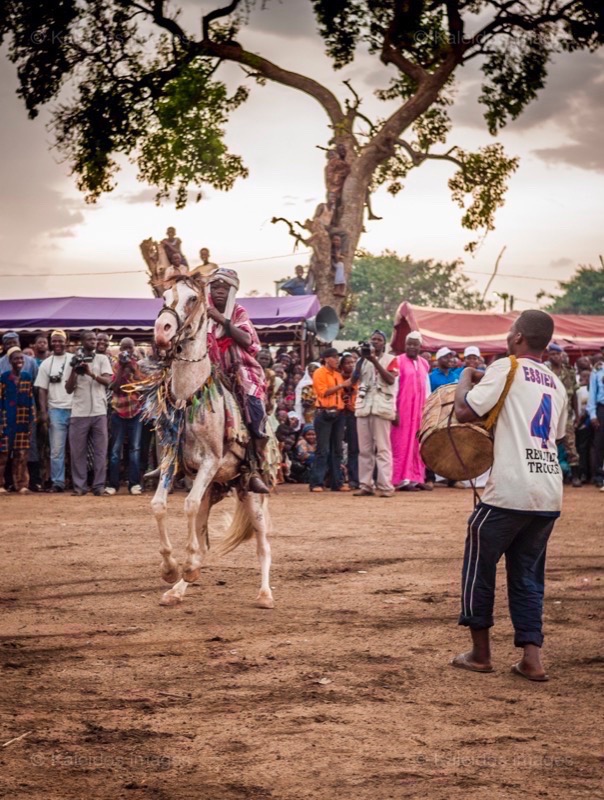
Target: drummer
<point>522,498</point>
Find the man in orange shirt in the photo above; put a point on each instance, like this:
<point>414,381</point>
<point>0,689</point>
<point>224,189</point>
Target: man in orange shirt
<point>329,385</point>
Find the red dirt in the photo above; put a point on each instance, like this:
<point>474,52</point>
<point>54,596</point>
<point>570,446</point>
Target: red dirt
<point>342,691</point>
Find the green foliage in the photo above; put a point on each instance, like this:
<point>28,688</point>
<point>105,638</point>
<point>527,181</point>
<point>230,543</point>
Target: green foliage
<point>582,294</point>
<point>515,73</point>
<point>183,141</point>
<point>483,176</point>
<point>381,283</point>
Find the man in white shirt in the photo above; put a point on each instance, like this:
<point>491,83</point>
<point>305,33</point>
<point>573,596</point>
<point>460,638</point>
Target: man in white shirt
<point>375,375</point>
<point>54,405</point>
<point>523,495</point>
<point>87,381</point>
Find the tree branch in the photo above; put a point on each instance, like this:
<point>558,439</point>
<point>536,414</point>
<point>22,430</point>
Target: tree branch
<point>292,231</point>
<point>418,158</point>
<point>217,14</point>
<point>156,11</point>
<point>231,51</point>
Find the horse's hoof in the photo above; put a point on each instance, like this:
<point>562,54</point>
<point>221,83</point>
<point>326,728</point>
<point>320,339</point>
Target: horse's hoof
<point>171,576</point>
<point>170,599</point>
<point>191,575</point>
<point>265,601</point>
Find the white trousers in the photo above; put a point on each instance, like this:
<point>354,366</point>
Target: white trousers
<point>375,450</point>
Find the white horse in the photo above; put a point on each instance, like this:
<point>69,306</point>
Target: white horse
<point>181,331</point>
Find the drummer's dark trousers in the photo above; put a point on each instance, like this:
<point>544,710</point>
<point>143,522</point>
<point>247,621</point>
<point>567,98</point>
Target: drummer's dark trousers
<point>522,538</point>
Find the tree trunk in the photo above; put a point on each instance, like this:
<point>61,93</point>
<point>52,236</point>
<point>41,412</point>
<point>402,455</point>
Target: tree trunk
<point>335,231</point>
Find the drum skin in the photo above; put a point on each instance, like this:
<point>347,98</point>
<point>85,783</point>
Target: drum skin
<point>471,451</point>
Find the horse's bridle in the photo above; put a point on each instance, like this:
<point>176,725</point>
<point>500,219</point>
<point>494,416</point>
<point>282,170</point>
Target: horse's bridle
<point>178,339</point>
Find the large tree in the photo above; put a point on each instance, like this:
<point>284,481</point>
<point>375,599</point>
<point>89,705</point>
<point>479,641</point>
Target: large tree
<point>582,294</point>
<point>381,283</point>
<point>126,77</point>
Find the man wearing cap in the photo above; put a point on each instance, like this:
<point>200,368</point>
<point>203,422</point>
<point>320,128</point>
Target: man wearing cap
<point>237,345</point>
<point>375,408</point>
<point>443,374</point>
<point>17,415</point>
<point>10,340</point>
<point>329,385</point>
<point>471,358</point>
<point>568,378</point>
<point>408,469</point>
<point>55,405</point>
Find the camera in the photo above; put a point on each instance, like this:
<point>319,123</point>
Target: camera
<point>124,357</point>
<point>366,349</point>
<point>79,359</point>
<point>58,377</point>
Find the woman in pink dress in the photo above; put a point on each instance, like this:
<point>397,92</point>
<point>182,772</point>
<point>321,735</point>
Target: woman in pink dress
<point>408,469</point>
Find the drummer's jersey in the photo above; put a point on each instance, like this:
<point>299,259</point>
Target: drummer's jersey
<point>526,475</point>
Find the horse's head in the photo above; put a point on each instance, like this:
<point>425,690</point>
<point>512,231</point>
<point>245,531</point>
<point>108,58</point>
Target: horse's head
<point>183,313</point>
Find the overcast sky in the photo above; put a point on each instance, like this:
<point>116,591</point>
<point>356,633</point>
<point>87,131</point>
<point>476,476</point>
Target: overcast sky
<point>550,224</point>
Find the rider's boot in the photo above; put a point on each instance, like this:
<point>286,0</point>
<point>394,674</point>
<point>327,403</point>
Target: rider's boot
<point>256,457</point>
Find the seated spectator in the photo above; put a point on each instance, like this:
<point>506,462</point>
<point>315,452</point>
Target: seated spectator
<point>294,422</point>
<point>304,455</point>
<point>17,415</point>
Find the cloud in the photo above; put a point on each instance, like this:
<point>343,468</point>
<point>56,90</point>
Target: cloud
<point>149,194</point>
<point>564,261</point>
<point>571,104</point>
<point>34,203</point>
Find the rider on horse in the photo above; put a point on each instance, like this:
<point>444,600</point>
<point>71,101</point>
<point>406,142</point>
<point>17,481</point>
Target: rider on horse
<point>237,345</point>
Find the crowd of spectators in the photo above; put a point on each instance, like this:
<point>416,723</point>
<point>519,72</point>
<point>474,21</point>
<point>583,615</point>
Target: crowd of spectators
<point>347,421</point>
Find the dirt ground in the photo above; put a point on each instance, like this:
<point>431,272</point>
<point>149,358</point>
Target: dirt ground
<point>342,691</point>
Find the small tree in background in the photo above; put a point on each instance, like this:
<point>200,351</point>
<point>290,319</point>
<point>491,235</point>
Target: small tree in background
<point>381,283</point>
<point>582,294</point>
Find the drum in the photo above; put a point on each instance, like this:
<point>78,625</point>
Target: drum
<point>457,451</point>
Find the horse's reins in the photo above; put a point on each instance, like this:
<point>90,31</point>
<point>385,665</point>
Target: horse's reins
<point>489,423</point>
<point>178,339</point>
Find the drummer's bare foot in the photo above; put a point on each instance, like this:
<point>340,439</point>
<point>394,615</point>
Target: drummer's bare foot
<point>478,659</point>
<point>530,666</point>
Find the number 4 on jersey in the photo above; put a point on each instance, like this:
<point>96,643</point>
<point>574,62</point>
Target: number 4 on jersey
<point>542,421</point>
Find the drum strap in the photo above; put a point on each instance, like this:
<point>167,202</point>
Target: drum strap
<point>489,422</point>
<point>494,412</point>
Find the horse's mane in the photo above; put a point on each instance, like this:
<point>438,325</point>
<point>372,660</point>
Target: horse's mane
<point>195,282</point>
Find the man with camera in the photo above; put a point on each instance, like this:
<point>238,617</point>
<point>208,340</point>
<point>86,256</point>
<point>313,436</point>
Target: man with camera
<point>54,404</point>
<point>126,421</point>
<point>375,375</point>
<point>89,375</point>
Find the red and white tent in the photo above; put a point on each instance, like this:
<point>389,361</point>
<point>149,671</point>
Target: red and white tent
<point>576,333</point>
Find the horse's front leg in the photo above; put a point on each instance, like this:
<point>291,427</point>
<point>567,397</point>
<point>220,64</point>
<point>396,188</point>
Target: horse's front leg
<point>257,506</point>
<point>159,505</point>
<point>197,505</point>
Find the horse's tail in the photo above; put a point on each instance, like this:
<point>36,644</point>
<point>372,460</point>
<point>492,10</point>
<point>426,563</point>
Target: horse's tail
<point>241,528</point>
